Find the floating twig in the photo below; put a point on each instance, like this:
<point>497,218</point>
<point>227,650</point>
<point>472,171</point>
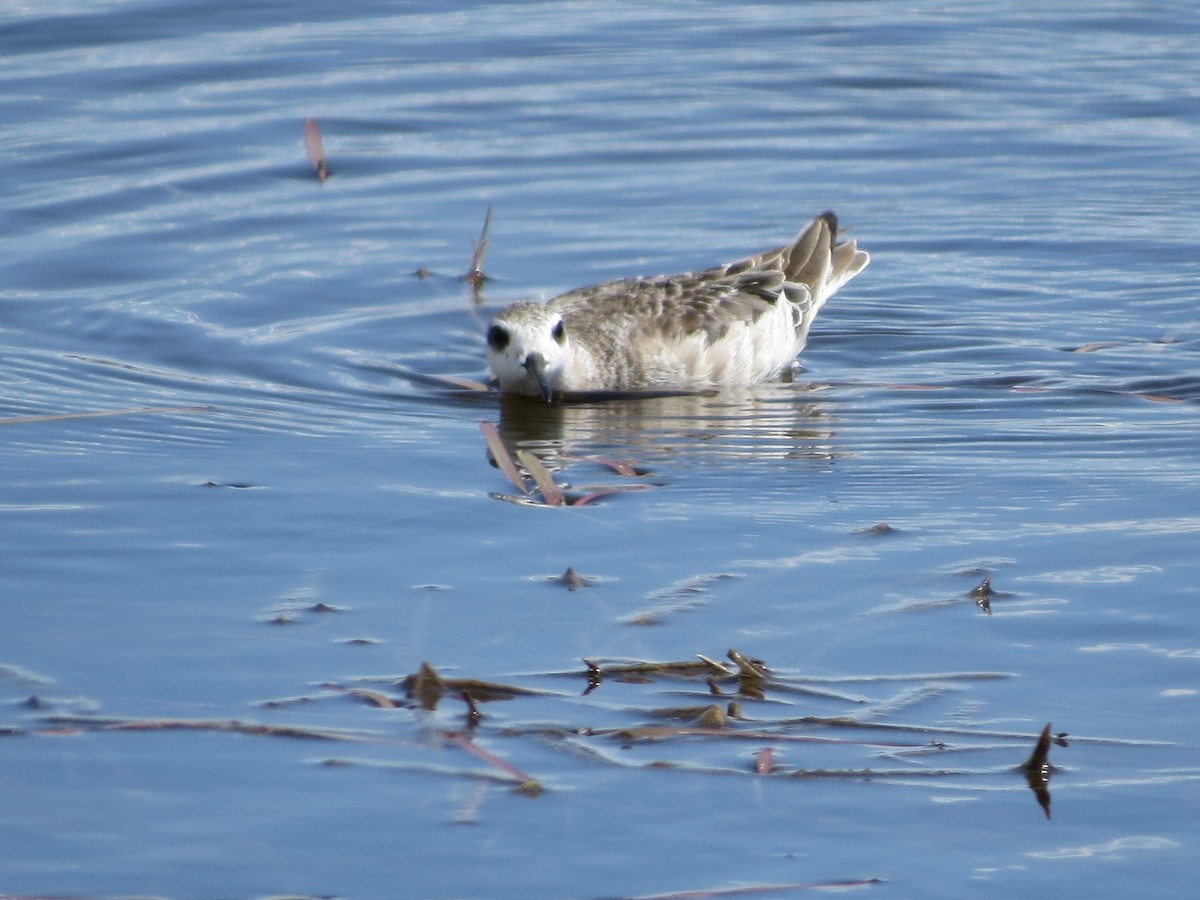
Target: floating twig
<point>764,761</point>
<point>475,276</point>
<point>551,492</point>
<point>572,580</point>
<point>1037,770</point>
<point>1092,347</point>
<point>982,595</point>
<point>751,668</point>
<point>646,671</point>
<point>316,148</point>
<point>427,687</point>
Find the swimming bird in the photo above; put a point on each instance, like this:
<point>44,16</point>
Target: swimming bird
<point>732,325</point>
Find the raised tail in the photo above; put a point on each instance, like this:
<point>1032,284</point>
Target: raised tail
<point>816,261</point>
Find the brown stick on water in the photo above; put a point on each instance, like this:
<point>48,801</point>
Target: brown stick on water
<point>551,492</point>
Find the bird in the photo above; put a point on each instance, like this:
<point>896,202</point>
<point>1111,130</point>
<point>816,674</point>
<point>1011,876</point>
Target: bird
<point>731,325</point>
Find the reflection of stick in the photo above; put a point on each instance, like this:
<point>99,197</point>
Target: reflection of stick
<point>756,889</point>
<point>500,454</point>
<point>469,814</point>
<point>475,276</point>
<point>764,761</point>
<point>92,723</point>
<point>316,148</point>
<point>135,411</point>
<point>525,784</point>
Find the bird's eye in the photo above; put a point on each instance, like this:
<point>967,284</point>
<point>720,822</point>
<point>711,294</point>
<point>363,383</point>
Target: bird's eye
<point>497,337</point>
<point>558,332</point>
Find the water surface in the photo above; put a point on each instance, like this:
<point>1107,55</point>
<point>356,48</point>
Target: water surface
<point>218,421</point>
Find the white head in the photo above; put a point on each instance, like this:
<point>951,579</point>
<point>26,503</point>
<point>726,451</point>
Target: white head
<point>527,348</point>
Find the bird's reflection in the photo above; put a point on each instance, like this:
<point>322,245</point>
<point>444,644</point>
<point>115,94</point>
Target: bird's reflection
<point>769,422</point>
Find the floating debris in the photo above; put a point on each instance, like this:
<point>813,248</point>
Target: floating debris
<point>517,500</point>
<point>982,595</point>
<point>752,675</point>
<point>572,580</point>
<point>764,761</point>
<point>880,529</point>
<point>290,611</point>
<point>710,715</point>
<point>551,492</point>
<point>1092,347</point>
<point>324,608</point>
<point>716,667</point>
<point>474,275</point>
<point>316,148</point>
<point>751,668</point>
<point>1037,770</point>
<point>642,672</point>
<point>427,687</point>
<point>474,716</point>
<point>1159,398</point>
<point>773,719</point>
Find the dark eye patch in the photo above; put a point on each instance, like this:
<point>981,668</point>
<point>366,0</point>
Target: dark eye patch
<point>497,337</point>
<point>559,333</point>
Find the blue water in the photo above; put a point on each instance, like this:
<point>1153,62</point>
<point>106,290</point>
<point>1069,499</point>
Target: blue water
<point>216,413</point>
